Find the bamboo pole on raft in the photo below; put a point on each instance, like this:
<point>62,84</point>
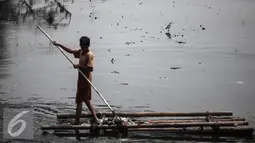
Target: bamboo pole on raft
<point>150,114</point>
<point>166,125</point>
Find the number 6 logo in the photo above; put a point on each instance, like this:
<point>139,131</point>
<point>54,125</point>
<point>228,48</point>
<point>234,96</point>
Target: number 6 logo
<point>14,122</point>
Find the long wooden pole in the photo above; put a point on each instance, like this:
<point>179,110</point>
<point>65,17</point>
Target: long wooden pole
<point>240,130</point>
<point>113,113</point>
<point>215,118</point>
<point>166,125</point>
<point>175,120</point>
<point>187,121</point>
<point>244,131</point>
<point>149,114</point>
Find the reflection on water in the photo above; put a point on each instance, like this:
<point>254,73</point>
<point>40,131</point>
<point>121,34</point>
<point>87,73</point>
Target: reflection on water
<point>4,54</point>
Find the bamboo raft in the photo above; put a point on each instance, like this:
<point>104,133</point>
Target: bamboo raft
<point>199,123</point>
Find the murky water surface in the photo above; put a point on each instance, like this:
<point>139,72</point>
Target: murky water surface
<point>207,65</point>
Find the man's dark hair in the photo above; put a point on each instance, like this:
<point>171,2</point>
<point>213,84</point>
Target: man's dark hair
<point>85,41</point>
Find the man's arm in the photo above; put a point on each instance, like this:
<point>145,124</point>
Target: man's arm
<point>64,47</point>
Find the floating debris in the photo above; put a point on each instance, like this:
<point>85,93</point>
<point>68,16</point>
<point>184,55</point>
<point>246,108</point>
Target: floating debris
<point>109,50</point>
<point>203,28</point>
<point>112,60</point>
<point>175,68</point>
<point>169,35</point>
<point>116,72</point>
<point>123,83</point>
<point>180,42</point>
<point>140,3</point>
<point>127,55</point>
<point>128,43</point>
<point>169,25</point>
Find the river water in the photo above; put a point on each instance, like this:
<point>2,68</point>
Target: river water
<point>213,70</point>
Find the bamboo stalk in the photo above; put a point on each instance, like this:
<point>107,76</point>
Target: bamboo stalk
<point>189,120</point>
<point>246,130</point>
<point>150,114</point>
<point>197,118</point>
<point>166,125</point>
<point>235,122</point>
<point>216,119</point>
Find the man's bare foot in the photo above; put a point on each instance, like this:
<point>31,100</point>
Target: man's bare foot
<point>95,121</point>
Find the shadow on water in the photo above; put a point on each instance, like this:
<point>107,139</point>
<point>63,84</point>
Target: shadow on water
<point>4,56</point>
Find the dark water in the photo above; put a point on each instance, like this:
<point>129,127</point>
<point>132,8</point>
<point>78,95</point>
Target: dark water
<point>215,68</point>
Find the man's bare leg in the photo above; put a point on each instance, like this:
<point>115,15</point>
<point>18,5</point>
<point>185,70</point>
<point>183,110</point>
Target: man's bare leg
<point>78,113</point>
<point>91,109</point>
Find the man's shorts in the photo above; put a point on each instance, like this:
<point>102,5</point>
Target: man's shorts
<point>83,94</point>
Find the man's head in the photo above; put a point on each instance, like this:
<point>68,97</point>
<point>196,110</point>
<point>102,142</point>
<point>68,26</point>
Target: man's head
<point>84,42</point>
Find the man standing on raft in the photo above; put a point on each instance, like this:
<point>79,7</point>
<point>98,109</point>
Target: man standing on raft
<point>86,65</point>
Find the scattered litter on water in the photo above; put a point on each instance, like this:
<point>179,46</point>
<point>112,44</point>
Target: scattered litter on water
<point>169,35</point>
<point>180,42</point>
<point>123,83</point>
<point>175,68</point>
<point>129,43</point>
<point>116,72</point>
<point>203,28</point>
<point>112,60</point>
